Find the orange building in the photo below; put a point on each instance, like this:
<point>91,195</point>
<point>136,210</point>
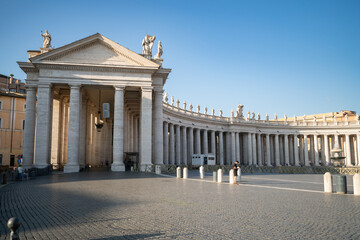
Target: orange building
<point>12,122</point>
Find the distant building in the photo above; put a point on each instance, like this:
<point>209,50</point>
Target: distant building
<point>11,84</point>
<point>12,122</point>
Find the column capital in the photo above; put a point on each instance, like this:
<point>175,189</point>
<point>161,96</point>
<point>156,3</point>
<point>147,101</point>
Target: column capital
<point>74,86</point>
<point>30,87</point>
<point>146,89</point>
<point>119,88</point>
<point>44,85</point>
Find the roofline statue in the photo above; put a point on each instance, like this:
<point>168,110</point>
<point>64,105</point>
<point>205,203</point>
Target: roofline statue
<point>147,45</point>
<point>47,39</point>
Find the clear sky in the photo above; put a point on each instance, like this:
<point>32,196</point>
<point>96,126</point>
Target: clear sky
<point>285,57</point>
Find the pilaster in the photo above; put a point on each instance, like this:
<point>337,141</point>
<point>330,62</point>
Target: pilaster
<point>118,135</point>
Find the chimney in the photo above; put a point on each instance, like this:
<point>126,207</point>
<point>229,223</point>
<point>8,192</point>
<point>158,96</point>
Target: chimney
<point>11,78</point>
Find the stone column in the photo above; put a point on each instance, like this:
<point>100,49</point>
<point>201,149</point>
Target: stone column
<point>166,143</point>
<point>221,148</point>
<point>72,164</point>
<point>42,126</point>
<point>348,150</point>
<point>326,150</point>
<point>197,141</point>
<point>177,145</point>
<point>237,147</point>
<point>311,155</point>
<point>253,136</point>
<point>227,148</point>
<point>118,135</point>
<point>268,154</point>
<point>184,147</point>
<point>249,142</point>
<point>213,143</point>
<point>286,150</point>
<point>136,135</point>
<point>29,131</point>
<point>277,150</point>
<point>233,157</point>
<point>205,142</point>
<point>306,152</point>
<point>259,149</point>
<point>83,127</point>
<point>172,145</point>
<point>296,151</point>
<point>145,129</point>
<point>191,145</point>
<point>158,125</point>
<point>316,150</point>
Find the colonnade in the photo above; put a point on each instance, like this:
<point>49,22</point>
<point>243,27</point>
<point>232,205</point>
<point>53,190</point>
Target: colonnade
<point>256,147</point>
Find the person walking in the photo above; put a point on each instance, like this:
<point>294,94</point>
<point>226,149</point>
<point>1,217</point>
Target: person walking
<point>235,167</point>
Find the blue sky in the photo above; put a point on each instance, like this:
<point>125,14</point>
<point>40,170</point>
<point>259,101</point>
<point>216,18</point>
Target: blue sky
<point>285,57</point>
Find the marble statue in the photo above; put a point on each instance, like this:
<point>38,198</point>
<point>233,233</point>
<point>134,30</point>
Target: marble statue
<point>346,118</point>
<point>205,110</point>
<point>285,117</point>
<point>275,117</point>
<point>191,107</point>
<point>248,115</point>
<point>198,108</point>
<point>239,111</point>
<point>147,45</point>
<point>232,113</point>
<point>314,119</point>
<point>253,116</point>
<point>213,111</point>
<point>295,118</point>
<point>166,97</point>
<point>258,116</point>
<point>172,101</point>
<point>221,113</point>
<point>47,39</point>
<point>177,103</point>
<point>184,105</point>
<point>267,117</point>
<point>160,51</point>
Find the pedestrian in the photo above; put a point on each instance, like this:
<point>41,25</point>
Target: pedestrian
<point>236,167</point>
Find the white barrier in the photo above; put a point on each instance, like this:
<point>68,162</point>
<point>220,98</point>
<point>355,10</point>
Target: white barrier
<point>327,183</point>
<point>231,176</point>
<point>185,173</point>
<point>219,176</point>
<point>201,170</point>
<point>157,169</point>
<point>178,172</point>
<point>356,183</point>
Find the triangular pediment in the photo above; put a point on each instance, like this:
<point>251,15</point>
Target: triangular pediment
<point>95,50</point>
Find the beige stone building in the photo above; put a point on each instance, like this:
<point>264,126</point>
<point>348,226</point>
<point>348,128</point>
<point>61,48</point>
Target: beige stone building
<point>12,120</point>
<point>99,102</point>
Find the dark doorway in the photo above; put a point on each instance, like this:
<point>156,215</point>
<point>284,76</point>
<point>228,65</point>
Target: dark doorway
<point>12,160</point>
<point>131,160</point>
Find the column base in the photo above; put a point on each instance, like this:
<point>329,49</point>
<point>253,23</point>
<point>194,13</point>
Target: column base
<point>71,168</point>
<point>145,167</point>
<point>117,168</point>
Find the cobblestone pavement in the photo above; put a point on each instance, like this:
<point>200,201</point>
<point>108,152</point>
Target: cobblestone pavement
<point>108,205</point>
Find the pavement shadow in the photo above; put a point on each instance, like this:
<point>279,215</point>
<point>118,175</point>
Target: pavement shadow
<point>131,236</point>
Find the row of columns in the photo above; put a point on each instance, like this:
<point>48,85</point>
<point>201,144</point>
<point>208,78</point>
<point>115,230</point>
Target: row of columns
<point>261,149</point>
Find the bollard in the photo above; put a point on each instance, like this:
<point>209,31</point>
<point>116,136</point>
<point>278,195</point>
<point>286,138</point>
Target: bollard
<point>239,175</point>
<point>178,172</point>
<point>214,176</point>
<point>219,176</point>
<point>13,224</point>
<point>201,169</point>
<point>231,176</point>
<point>185,173</point>
<point>356,183</point>
<point>327,182</point>
<point>341,187</point>
<point>157,169</point>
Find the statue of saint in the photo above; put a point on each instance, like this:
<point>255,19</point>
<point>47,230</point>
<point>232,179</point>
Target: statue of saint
<point>232,113</point>
<point>47,39</point>
<point>267,117</point>
<point>253,116</point>
<point>205,110</point>
<point>213,111</point>
<point>285,117</point>
<point>275,117</point>
<point>248,115</point>
<point>184,106</point>
<point>147,45</point>
<point>172,101</point>
<point>239,111</point>
<point>160,51</point>
<point>258,116</point>
<point>198,108</point>
<point>221,113</point>
<point>191,107</point>
<point>166,97</point>
<point>177,103</point>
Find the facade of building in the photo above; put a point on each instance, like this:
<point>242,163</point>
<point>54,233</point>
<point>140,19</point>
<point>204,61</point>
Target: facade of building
<point>12,120</point>
<point>99,102</point>
<point>11,84</point>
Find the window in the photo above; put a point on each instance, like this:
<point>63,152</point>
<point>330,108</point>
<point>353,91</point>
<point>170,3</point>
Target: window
<point>23,124</point>
<point>0,104</point>
<point>24,106</point>
<point>22,90</point>
<point>0,122</point>
<point>1,157</point>
<point>12,90</point>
